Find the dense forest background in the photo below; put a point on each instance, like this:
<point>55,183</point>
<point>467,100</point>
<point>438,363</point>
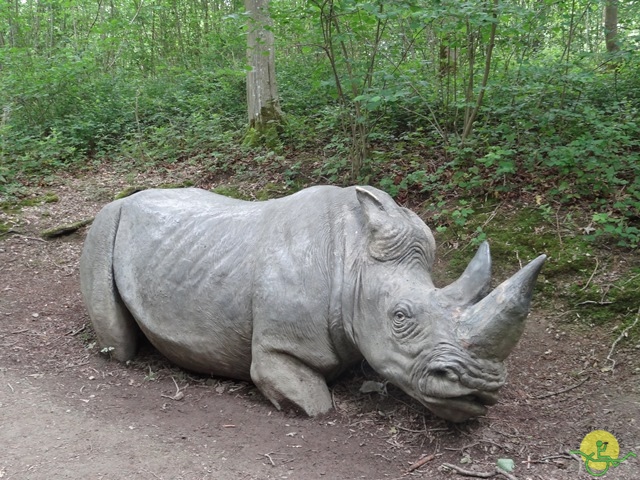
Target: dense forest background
<point>492,98</point>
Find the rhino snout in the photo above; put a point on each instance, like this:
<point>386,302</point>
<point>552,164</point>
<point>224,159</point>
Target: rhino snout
<point>455,385</point>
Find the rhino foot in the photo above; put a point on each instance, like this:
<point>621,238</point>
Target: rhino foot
<point>286,381</point>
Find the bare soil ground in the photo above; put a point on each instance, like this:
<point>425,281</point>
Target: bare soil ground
<point>68,412</point>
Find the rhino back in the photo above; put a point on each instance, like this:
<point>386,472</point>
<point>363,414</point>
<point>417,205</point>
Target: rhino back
<point>207,277</point>
<point>183,268</point>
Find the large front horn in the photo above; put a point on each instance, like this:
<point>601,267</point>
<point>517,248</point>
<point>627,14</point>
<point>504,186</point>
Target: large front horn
<point>493,326</point>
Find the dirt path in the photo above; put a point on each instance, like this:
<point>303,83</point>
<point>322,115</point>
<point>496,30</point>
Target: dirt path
<point>68,412</point>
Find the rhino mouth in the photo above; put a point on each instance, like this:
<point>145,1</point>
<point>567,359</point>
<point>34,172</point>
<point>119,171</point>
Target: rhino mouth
<point>480,398</point>
<point>461,408</point>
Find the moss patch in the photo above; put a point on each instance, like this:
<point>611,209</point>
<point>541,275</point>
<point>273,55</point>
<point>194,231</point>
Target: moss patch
<point>185,184</point>
<point>232,191</point>
<point>15,206</point>
<point>519,238</point>
<point>609,301</point>
<point>33,201</point>
<point>128,192</point>
<point>269,191</point>
<point>135,189</point>
<point>596,284</point>
<point>268,136</point>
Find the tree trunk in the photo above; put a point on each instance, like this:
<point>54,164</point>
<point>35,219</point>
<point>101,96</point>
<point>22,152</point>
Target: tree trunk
<point>472,113</point>
<point>611,26</point>
<point>262,93</point>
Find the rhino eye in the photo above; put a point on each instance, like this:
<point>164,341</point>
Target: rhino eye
<point>399,316</point>
<point>401,311</point>
<point>403,325</point>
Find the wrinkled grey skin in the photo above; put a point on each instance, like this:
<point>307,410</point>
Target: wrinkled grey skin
<point>290,292</point>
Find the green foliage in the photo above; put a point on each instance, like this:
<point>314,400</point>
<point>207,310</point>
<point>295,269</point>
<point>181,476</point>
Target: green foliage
<point>617,228</point>
<point>335,170</point>
<point>389,85</point>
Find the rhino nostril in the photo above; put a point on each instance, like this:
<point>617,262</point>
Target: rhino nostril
<point>444,374</point>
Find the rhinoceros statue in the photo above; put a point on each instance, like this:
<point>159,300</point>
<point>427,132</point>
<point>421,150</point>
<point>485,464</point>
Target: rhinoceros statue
<point>290,292</point>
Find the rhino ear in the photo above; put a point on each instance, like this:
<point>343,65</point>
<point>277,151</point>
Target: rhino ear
<point>384,230</point>
<point>375,212</point>
<point>395,232</point>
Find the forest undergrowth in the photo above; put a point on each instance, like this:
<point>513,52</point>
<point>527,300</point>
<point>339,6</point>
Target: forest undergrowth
<point>464,112</point>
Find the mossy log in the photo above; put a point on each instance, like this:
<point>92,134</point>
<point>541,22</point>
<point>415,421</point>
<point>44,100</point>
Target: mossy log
<point>128,192</point>
<point>65,229</point>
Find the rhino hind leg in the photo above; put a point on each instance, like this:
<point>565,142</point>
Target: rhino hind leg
<point>113,323</point>
<point>286,381</point>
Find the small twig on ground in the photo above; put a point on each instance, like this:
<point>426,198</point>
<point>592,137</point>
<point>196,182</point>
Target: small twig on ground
<point>577,458</point>
<point>510,435</point>
<point>73,333</point>
<point>382,456</point>
<point>591,277</point>
<point>73,365</point>
<point>268,455</point>
<point>491,217</point>
<point>472,473</point>
<point>461,448</point>
<point>468,473</point>
<point>558,228</point>
<point>404,429</point>
<point>592,302</point>
<point>21,235</point>
<point>491,442</point>
<point>629,280</point>
<point>421,462</point>
<point>179,395</point>
<point>471,445</point>
<point>551,457</point>
<point>12,390</point>
<point>623,334</point>
<point>564,390</point>
<point>16,332</point>
<point>574,456</point>
<point>505,474</point>
<point>10,231</point>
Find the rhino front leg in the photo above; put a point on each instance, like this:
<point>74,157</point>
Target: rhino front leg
<point>285,380</point>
